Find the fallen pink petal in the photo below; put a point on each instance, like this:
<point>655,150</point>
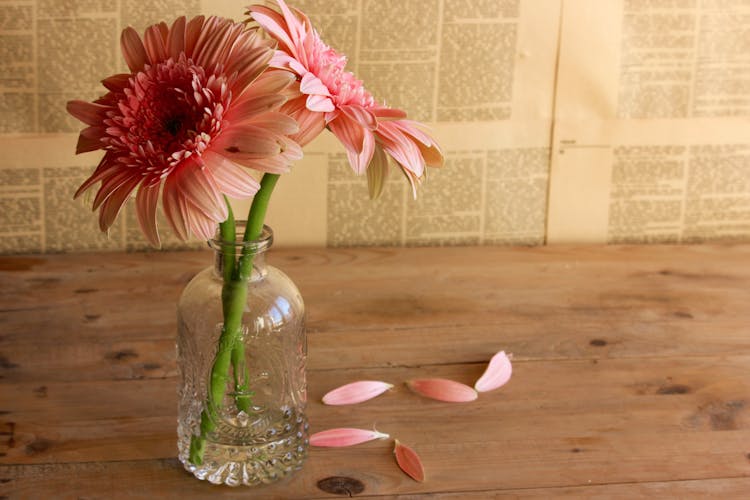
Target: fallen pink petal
<point>356,392</point>
<point>345,436</point>
<point>409,462</point>
<point>496,375</point>
<point>443,390</point>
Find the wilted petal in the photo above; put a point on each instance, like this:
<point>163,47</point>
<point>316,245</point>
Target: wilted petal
<point>377,172</point>
<point>409,462</point>
<point>356,392</point>
<point>443,390</point>
<point>345,436</point>
<point>496,375</point>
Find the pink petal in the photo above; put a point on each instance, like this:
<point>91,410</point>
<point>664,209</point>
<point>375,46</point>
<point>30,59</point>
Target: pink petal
<point>311,84</point>
<point>176,37</point>
<point>427,146</point>
<point>356,392</point>
<point>112,183</point>
<point>199,223</point>
<point>132,49</point>
<point>192,32</point>
<point>273,23</point>
<point>246,107</point>
<point>197,185</point>
<point>174,213</point>
<point>88,112</point>
<point>335,438</point>
<point>247,142</point>
<point>102,171</point>
<point>319,103</point>
<point>311,124</point>
<point>90,139</point>
<point>273,122</point>
<point>284,61</point>
<point>250,66</point>
<point>409,462</point>
<point>443,390</point>
<point>155,44</point>
<point>145,206</point>
<point>114,202</point>
<point>116,83</point>
<point>360,161</point>
<point>231,179</point>
<point>273,82</point>
<point>296,28</point>
<point>215,45</point>
<point>388,113</point>
<point>401,147</point>
<point>349,132</point>
<point>361,115</point>
<point>496,375</point>
<point>275,164</point>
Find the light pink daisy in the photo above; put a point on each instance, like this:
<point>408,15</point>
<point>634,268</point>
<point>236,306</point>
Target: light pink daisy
<point>195,109</point>
<point>332,97</point>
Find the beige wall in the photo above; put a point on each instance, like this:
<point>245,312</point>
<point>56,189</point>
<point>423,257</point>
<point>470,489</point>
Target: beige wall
<point>561,121</point>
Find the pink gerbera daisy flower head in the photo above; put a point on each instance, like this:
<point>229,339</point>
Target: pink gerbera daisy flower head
<point>196,110</point>
<point>329,96</point>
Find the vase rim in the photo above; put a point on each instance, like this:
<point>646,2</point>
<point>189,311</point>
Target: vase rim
<point>239,245</point>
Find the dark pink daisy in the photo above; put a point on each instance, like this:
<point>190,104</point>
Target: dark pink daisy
<point>196,108</point>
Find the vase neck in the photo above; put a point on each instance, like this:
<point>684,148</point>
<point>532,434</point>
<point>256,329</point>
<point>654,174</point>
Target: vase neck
<point>249,256</point>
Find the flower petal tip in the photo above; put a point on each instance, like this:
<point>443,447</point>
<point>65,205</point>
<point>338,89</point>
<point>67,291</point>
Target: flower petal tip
<point>497,373</point>
<point>356,392</point>
<point>443,390</point>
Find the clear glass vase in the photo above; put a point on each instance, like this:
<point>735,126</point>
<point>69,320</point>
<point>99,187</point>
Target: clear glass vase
<point>242,392</point>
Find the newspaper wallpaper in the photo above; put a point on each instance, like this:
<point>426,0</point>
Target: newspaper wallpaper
<point>561,121</point>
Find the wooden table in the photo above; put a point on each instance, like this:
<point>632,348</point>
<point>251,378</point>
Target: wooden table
<point>631,371</point>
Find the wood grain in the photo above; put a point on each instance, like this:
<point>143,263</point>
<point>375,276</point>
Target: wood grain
<point>631,371</point>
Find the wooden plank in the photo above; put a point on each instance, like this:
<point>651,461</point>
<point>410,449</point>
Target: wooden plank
<point>540,303</point>
<point>421,288</point>
<point>372,464</point>
<point>684,490</point>
<point>166,479</point>
<point>557,423</point>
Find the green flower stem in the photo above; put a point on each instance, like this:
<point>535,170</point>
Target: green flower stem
<point>234,298</point>
<point>228,232</point>
<point>253,230</point>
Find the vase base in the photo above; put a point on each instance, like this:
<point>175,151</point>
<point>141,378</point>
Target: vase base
<point>247,465</point>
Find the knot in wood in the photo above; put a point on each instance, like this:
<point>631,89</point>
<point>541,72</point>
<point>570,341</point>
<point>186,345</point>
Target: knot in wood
<point>340,485</point>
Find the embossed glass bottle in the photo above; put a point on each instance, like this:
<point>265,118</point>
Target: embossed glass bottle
<point>256,431</point>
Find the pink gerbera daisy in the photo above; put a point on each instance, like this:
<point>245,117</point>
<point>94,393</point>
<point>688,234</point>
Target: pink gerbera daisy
<point>195,109</point>
<point>330,96</point>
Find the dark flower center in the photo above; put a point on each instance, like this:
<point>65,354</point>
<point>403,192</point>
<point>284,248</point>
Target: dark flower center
<point>173,125</point>
<point>169,111</point>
